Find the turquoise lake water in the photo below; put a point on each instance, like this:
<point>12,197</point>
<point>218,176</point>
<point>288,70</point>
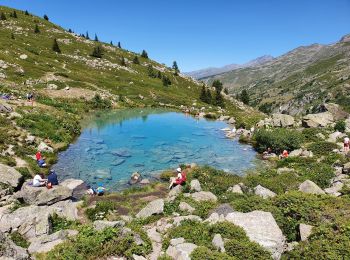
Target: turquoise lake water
<point>114,145</point>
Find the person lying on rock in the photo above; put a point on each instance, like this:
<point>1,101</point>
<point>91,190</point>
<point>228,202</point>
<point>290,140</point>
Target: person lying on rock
<point>39,181</point>
<point>179,180</point>
<point>41,162</point>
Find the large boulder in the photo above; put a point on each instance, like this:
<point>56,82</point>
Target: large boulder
<point>318,120</point>
<point>334,136</point>
<point>10,176</point>
<point>195,185</point>
<point>102,224</point>
<point>186,207</point>
<point>43,196</point>
<point>218,242</point>
<point>174,192</point>
<point>77,187</point>
<point>337,112</point>
<point>181,251</point>
<point>204,196</point>
<point>310,187</point>
<point>9,250</point>
<point>152,208</point>
<point>264,192</point>
<point>261,228</point>
<point>282,120</point>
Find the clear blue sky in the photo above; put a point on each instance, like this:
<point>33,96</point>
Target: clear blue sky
<point>201,33</point>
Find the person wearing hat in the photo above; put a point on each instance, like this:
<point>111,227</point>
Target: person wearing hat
<point>179,180</point>
<point>52,178</point>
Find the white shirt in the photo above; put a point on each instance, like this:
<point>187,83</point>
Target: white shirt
<point>37,180</point>
<point>346,140</point>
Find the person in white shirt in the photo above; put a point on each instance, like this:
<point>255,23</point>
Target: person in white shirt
<point>346,144</point>
<point>39,181</point>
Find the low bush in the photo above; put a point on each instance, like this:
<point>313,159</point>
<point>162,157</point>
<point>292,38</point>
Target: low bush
<point>277,139</point>
<point>322,148</point>
<point>340,126</point>
<point>204,253</point>
<point>246,250</point>
<point>101,210</point>
<point>19,240</point>
<point>59,223</point>
<point>310,134</point>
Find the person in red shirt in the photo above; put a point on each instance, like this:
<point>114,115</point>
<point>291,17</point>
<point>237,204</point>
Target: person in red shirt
<point>38,155</point>
<point>179,180</point>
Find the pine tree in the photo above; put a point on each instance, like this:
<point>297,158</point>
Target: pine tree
<point>87,35</point>
<point>12,36</point>
<point>111,43</point>
<point>96,38</point>
<point>46,17</point>
<point>36,30</point>
<point>203,95</point>
<point>209,97</point>
<point>166,81</point>
<point>226,91</point>
<point>176,68</point>
<point>70,30</point>
<point>159,75</point>
<point>144,54</point>
<point>136,60</point>
<point>219,100</point>
<point>123,62</point>
<point>119,45</point>
<point>97,52</point>
<point>217,84</point>
<point>14,15</point>
<point>26,12</point>
<point>151,72</point>
<point>245,97</point>
<point>3,16</point>
<point>55,46</point>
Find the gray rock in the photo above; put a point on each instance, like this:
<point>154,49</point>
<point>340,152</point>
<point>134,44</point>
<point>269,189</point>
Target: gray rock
<point>45,148</point>
<point>174,192</point>
<point>235,189</point>
<point>195,185</point>
<point>145,182</point>
<point>9,250</point>
<point>282,120</point>
<point>223,209</point>
<point>204,196</point>
<point>332,138</point>
<point>261,228</point>
<point>310,187</point>
<point>43,196</point>
<point>30,139</point>
<point>232,121</point>
<point>186,207</point>
<point>177,220</point>
<point>218,242</point>
<point>181,251</point>
<point>285,170</point>
<point>153,208</point>
<point>102,224</point>
<point>10,176</point>
<point>335,189</point>
<point>318,120</point>
<point>305,231</point>
<point>264,192</point>
<point>77,187</point>
<point>5,108</point>
<point>154,235</point>
<point>337,112</point>
<point>346,168</point>
<point>138,257</point>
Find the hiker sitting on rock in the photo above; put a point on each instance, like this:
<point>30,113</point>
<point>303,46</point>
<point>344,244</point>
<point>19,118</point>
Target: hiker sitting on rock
<point>52,178</point>
<point>284,154</point>
<point>39,181</point>
<point>179,180</point>
<point>100,190</point>
<point>41,162</point>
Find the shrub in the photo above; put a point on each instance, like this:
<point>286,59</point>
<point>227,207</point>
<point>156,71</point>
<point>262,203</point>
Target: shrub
<point>59,223</point>
<point>204,253</point>
<point>19,240</point>
<point>246,250</point>
<point>228,230</point>
<point>310,134</point>
<point>278,139</point>
<point>101,210</point>
<point>99,103</point>
<point>340,126</point>
<point>322,148</point>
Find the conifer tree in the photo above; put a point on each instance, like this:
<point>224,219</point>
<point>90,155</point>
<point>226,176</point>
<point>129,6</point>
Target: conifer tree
<point>36,30</point>
<point>176,68</point>
<point>96,38</point>
<point>111,43</point>
<point>14,15</point>
<point>26,12</point>
<point>203,95</point>
<point>159,75</point>
<point>219,100</point>
<point>2,16</point>
<point>87,35</point>
<point>209,96</point>
<point>123,62</point>
<point>144,54</point>
<point>119,45</point>
<point>70,30</point>
<point>245,97</point>
<point>12,36</point>
<point>46,17</point>
<point>55,46</point>
<point>217,84</point>
<point>136,60</point>
<point>151,72</point>
<point>97,52</point>
<point>166,81</point>
<point>226,91</point>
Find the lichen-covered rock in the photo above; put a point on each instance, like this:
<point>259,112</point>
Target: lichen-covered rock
<point>195,185</point>
<point>10,176</point>
<point>152,208</point>
<point>9,250</point>
<point>235,189</point>
<point>181,251</point>
<point>204,196</point>
<point>310,187</point>
<point>282,120</point>
<point>45,148</point>
<point>261,228</point>
<point>186,207</point>
<point>102,224</point>
<point>264,192</point>
<point>318,120</point>
<point>218,242</point>
<point>305,231</point>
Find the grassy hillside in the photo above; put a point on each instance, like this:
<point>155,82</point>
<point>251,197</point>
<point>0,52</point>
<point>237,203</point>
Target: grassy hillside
<point>297,81</point>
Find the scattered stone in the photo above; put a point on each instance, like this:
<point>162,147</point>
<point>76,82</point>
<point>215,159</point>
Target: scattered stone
<point>335,189</point>
<point>153,208</point>
<point>177,220</point>
<point>30,139</point>
<point>177,241</point>
<point>138,257</point>
<point>145,182</point>
<point>204,196</point>
<point>102,224</point>
<point>154,235</point>
<point>310,187</point>
<point>232,121</point>
<point>290,246</point>
<point>218,242</point>
<point>195,185</point>
<point>346,168</point>
<point>52,86</point>
<point>320,136</point>
<point>77,187</point>
<point>23,56</point>
<point>337,112</point>
<point>261,228</point>
<point>285,170</point>
<point>264,192</point>
<point>224,118</point>
<point>181,251</point>
<point>334,136</point>
<point>223,209</point>
<point>10,176</point>
<point>126,218</point>
<point>9,250</point>
<point>186,207</point>
<point>305,231</point>
<point>45,148</point>
<point>282,120</point>
<point>5,108</point>
<point>235,189</point>
<point>174,192</point>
